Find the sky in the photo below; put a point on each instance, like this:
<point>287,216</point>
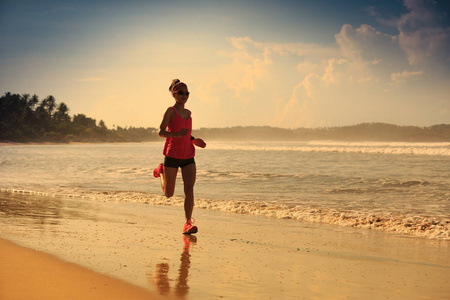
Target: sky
<point>280,63</point>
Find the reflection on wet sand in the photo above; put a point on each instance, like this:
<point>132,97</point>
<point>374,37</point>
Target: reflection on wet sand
<point>43,209</point>
<point>38,210</point>
<point>161,277</point>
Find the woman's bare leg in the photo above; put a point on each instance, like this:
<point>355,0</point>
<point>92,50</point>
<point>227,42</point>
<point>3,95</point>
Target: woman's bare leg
<point>168,178</point>
<point>189,173</point>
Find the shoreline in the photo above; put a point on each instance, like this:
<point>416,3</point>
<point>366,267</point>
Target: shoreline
<point>226,140</point>
<point>233,256</point>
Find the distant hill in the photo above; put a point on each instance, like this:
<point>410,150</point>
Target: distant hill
<point>360,132</point>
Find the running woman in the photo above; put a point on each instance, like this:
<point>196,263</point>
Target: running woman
<point>179,151</point>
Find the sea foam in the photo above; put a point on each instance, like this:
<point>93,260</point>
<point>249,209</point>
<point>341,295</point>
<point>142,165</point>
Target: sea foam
<point>431,227</point>
<point>340,147</point>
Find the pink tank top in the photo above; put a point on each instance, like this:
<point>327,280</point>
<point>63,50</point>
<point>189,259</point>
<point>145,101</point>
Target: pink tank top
<point>181,148</point>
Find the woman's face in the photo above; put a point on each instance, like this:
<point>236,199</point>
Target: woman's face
<point>181,95</point>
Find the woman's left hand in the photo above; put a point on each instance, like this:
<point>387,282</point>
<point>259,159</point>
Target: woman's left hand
<point>199,143</point>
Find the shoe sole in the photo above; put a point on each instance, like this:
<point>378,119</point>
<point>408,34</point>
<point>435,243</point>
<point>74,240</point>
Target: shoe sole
<point>191,231</point>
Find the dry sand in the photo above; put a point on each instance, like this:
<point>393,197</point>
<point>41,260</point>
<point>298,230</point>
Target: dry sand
<point>29,274</point>
<point>232,257</point>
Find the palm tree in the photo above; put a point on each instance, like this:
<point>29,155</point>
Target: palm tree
<point>62,113</point>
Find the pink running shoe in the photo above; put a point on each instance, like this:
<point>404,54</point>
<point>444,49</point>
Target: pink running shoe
<point>157,172</point>
<point>189,228</point>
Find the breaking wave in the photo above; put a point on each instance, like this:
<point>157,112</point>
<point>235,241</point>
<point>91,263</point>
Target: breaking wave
<point>340,147</point>
<point>431,227</point>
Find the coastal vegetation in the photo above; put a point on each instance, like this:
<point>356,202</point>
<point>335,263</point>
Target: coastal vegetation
<point>25,118</point>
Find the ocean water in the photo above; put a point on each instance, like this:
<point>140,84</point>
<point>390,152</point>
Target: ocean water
<point>395,187</point>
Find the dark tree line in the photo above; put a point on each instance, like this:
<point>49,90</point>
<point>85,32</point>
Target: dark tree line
<point>25,118</point>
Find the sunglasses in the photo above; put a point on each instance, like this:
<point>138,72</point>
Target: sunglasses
<point>182,93</point>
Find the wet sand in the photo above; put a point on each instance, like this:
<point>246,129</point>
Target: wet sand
<point>232,257</point>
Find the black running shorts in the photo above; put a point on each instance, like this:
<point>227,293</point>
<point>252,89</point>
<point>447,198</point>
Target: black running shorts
<point>177,163</point>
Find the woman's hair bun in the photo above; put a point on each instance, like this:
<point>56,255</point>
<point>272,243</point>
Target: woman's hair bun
<point>175,82</point>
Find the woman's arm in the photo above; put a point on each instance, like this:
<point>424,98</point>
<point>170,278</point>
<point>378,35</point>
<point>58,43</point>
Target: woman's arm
<point>168,116</point>
<point>198,142</point>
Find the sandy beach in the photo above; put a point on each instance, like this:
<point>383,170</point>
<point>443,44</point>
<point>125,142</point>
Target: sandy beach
<point>29,274</point>
<point>232,257</point>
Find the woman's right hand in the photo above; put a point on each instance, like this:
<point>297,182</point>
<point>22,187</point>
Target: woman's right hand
<point>183,132</point>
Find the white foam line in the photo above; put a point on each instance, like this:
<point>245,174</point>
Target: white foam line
<point>431,227</point>
<point>396,148</point>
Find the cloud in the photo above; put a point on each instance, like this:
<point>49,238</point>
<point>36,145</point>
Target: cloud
<point>402,77</point>
<point>422,33</point>
<point>366,76</point>
<point>423,40</point>
<point>248,63</point>
<point>369,52</point>
<point>363,43</point>
<point>354,84</point>
<point>253,65</point>
<point>299,100</point>
<point>335,67</point>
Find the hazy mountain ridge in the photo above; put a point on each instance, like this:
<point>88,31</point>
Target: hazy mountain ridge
<point>359,132</point>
